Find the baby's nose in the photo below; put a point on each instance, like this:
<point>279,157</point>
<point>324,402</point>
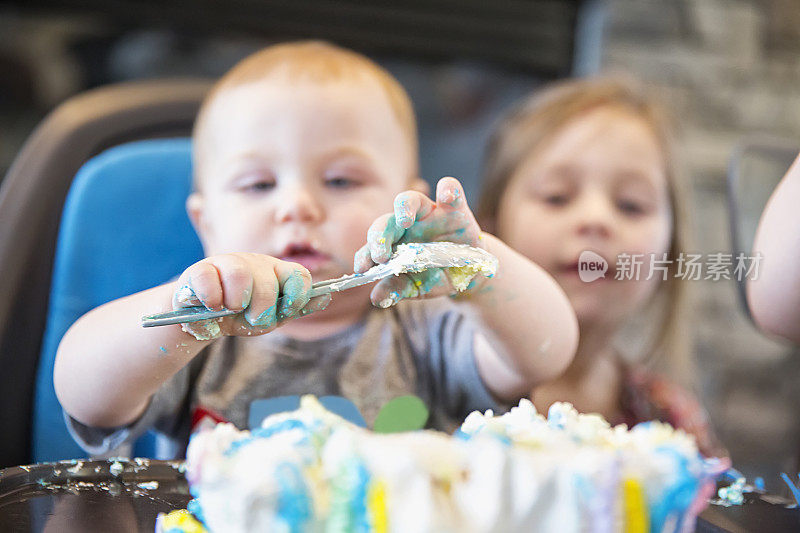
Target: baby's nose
<point>298,204</point>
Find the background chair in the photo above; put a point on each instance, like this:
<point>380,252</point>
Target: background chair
<point>31,199</point>
<point>756,166</point>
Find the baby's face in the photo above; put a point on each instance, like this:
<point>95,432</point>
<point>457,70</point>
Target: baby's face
<point>299,171</point>
<point>598,185</point>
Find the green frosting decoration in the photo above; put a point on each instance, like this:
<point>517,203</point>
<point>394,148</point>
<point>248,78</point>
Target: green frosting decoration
<point>404,413</point>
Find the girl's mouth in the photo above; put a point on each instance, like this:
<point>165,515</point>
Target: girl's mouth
<point>569,269</point>
<point>574,270</point>
<point>304,254</point>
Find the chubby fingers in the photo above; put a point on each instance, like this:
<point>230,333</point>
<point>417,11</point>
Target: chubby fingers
<point>318,303</point>
<point>381,236</point>
<point>410,206</point>
<point>461,221</point>
<point>450,192</point>
<point>216,282</point>
<point>447,219</point>
<point>282,294</point>
<point>388,229</point>
<point>295,282</point>
<point>427,284</point>
<point>236,280</point>
<point>362,260</point>
<point>199,283</point>
<point>262,311</point>
<point>269,291</point>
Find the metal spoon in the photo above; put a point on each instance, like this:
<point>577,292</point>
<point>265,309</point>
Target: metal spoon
<point>412,257</point>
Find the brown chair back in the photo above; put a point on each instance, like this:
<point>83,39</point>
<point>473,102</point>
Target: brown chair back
<point>32,195</point>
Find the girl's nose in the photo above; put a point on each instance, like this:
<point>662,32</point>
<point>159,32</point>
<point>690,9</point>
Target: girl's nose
<point>595,216</point>
<point>298,204</point>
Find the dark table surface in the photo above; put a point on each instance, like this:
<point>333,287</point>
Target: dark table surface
<point>83,496</point>
<point>759,513</point>
<point>127,495</point>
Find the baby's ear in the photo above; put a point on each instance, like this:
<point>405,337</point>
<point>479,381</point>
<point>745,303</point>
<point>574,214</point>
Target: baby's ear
<point>420,185</point>
<point>194,208</point>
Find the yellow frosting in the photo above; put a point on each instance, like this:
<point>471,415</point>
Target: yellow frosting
<point>181,520</point>
<point>635,507</point>
<point>376,507</point>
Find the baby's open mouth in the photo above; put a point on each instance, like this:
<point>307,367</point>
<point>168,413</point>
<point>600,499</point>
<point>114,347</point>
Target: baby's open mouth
<point>305,254</point>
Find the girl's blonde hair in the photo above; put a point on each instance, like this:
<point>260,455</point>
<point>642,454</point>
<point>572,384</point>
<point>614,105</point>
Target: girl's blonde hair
<point>528,128</point>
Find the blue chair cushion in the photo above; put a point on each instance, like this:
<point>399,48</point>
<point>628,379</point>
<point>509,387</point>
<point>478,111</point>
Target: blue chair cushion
<point>124,228</point>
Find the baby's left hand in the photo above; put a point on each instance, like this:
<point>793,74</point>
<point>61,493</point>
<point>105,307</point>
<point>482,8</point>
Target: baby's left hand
<point>417,218</point>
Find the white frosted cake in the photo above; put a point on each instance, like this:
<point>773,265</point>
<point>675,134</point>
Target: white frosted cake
<point>309,470</point>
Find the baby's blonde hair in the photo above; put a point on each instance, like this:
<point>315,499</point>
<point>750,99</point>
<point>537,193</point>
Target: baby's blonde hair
<point>528,128</point>
<point>316,62</point>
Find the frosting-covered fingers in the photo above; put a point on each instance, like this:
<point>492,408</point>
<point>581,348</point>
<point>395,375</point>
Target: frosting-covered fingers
<point>427,284</point>
<point>199,283</point>
<point>236,278</point>
<point>295,282</point>
<point>450,192</point>
<point>262,312</point>
<point>362,261</point>
<point>382,235</point>
<point>410,206</point>
<point>318,303</point>
<point>391,290</point>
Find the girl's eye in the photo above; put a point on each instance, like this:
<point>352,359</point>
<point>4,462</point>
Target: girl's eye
<point>556,199</point>
<point>630,207</point>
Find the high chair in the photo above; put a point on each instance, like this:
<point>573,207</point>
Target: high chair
<point>93,251</point>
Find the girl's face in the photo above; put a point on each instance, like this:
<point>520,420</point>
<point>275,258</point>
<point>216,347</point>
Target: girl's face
<point>598,185</point>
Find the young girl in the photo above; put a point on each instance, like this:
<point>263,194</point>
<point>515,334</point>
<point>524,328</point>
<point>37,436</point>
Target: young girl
<point>587,166</point>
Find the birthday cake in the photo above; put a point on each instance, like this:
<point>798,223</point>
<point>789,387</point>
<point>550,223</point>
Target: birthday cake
<point>310,470</point>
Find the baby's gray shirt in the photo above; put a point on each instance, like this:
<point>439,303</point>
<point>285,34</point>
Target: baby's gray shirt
<point>416,347</point>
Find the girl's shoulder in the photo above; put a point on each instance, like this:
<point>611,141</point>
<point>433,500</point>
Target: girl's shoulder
<point>650,396</point>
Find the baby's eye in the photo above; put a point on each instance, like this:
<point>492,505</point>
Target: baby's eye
<point>340,182</point>
<point>259,186</point>
<point>254,181</point>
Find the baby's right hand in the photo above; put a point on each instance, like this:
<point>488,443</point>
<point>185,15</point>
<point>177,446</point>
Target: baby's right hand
<point>250,282</point>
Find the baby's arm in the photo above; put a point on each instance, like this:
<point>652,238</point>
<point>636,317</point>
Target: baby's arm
<point>529,330</point>
<point>774,297</point>
<point>107,366</point>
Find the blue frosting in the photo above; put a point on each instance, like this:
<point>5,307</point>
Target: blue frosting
<point>358,501</point>
<point>263,433</point>
<point>555,419</point>
<point>503,439</point>
<point>294,503</point>
<point>460,435</point>
<point>678,496</point>
<point>194,507</point>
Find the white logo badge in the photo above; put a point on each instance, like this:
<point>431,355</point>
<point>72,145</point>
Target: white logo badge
<point>591,266</point>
